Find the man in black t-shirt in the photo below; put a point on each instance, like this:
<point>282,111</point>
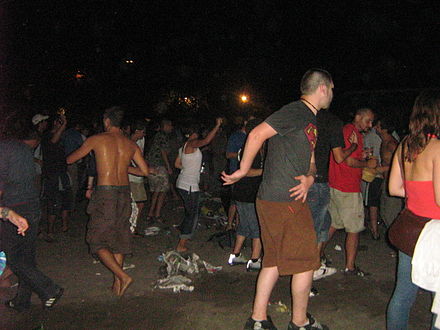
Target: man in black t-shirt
<point>287,233</point>
<point>57,187</point>
<point>244,193</point>
<point>330,139</point>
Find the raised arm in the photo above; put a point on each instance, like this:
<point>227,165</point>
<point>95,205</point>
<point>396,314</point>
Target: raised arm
<point>396,186</point>
<point>209,136</point>
<point>253,144</point>
<point>60,126</point>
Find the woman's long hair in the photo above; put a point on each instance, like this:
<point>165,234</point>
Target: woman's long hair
<point>424,123</point>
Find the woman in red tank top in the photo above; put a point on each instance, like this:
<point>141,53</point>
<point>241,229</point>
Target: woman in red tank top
<point>416,177</point>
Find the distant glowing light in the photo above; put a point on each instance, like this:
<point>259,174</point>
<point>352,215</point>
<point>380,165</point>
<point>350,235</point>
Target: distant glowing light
<point>79,75</point>
<point>244,98</point>
<point>129,61</point>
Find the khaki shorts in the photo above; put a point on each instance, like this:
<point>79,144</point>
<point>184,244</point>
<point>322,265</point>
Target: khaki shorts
<point>138,191</point>
<point>346,210</point>
<point>159,182</point>
<point>288,236</point>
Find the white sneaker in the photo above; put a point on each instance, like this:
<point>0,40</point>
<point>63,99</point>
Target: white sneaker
<point>253,266</point>
<point>233,260</point>
<point>323,271</point>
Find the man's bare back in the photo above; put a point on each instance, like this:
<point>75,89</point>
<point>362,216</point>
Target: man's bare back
<point>114,153</point>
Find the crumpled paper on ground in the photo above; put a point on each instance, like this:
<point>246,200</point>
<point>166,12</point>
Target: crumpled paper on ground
<point>176,282</point>
<point>176,264</point>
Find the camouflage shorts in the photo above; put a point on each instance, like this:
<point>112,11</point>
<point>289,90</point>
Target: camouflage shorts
<point>159,182</point>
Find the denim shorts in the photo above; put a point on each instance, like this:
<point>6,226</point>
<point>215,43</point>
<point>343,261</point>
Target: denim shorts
<point>318,199</point>
<point>248,225</point>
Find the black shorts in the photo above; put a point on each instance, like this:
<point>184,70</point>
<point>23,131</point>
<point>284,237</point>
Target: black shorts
<point>374,190</point>
<point>58,196</point>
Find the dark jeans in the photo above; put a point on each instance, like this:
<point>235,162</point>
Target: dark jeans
<point>20,254</point>
<point>191,218</point>
<point>318,199</point>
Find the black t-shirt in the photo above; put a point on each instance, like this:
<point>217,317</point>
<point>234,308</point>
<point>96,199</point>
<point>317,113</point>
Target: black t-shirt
<point>330,136</point>
<point>17,174</point>
<point>54,158</point>
<point>289,151</point>
<point>246,189</point>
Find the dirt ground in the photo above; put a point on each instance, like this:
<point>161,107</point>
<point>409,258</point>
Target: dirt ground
<point>219,301</point>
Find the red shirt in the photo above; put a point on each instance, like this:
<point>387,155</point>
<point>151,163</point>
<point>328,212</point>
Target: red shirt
<point>421,199</point>
<point>341,176</point>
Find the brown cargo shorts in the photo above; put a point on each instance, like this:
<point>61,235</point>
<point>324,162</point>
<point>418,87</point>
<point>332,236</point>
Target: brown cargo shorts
<point>288,236</point>
<point>109,226</point>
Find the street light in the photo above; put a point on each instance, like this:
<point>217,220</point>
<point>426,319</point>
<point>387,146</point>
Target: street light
<point>244,98</point>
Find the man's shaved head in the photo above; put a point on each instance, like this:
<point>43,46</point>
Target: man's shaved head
<point>312,79</point>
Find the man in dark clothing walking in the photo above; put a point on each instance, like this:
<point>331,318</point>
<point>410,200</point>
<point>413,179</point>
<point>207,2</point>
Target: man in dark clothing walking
<point>18,191</point>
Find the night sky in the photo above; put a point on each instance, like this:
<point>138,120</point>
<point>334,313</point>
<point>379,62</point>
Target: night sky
<point>212,50</point>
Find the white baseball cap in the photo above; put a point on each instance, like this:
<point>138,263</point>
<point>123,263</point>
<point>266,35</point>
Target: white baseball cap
<point>38,118</point>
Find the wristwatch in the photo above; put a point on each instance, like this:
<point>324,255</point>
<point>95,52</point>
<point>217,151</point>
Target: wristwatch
<point>4,212</point>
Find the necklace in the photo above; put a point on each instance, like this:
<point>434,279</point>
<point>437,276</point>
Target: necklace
<point>309,103</point>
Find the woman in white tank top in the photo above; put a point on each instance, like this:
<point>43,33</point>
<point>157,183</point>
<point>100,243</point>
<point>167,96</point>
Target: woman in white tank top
<point>189,161</point>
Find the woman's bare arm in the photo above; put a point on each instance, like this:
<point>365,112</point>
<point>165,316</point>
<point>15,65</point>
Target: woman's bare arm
<point>396,185</point>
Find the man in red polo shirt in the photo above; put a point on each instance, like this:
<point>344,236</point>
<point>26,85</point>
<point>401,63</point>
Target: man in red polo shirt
<point>346,206</point>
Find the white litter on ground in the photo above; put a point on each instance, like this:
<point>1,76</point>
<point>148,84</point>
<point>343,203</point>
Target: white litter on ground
<point>177,264</point>
<point>151,231</point>
<point>176,282</point>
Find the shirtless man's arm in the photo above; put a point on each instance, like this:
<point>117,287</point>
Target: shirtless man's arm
<point>386,155</point>
<point>142,168</point>
<point>82,151</point>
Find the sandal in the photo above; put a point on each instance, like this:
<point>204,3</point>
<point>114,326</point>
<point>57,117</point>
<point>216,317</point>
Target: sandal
<point>49,303</point>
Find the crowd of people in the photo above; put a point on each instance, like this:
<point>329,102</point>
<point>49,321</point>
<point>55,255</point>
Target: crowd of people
<point>288,183</point>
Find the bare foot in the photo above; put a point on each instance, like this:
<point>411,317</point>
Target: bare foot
<point>116,286</point>
<point>125,283</point>
<point>181,246</point>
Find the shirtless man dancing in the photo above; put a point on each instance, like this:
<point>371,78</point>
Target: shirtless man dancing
<point>108,232</point>
<point>390,206</point>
